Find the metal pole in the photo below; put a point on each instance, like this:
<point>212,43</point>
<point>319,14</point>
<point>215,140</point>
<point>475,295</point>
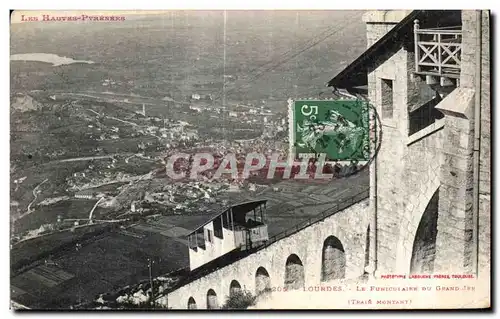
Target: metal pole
<point>264,216</point>
<point>232,219</point>
<point>477,146</point>
<point>150,266</point>
<point>373,201</point>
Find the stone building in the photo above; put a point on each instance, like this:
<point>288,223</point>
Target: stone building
<point>85,195</point>
<point>427,74</point>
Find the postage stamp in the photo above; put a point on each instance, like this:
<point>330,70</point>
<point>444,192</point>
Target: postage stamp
<point>337,128</point>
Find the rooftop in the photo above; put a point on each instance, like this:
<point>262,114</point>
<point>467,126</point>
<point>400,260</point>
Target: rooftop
<point>240,208</point>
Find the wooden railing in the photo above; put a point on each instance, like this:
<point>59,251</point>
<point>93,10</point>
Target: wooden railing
<point>438,51</point>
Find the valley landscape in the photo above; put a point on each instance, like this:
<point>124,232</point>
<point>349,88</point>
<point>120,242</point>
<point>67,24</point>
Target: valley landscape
<point>96,109</point>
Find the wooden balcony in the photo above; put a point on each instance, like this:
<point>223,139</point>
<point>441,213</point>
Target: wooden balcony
<point>438,53</point>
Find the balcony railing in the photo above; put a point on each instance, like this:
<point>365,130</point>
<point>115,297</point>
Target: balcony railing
<point>438,51</point>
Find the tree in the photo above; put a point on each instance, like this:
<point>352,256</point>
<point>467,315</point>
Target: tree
<point>240,299</point>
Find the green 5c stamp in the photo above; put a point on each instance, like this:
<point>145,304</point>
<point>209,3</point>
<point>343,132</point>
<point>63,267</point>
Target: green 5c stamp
<point>337,128</point>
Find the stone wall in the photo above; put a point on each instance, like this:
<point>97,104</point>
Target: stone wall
<point>389,167</point>
<point>434,161</point>
<point>455,204</point>
<point>455,245</point>
<point>348,226</point>
<point>407,167</point>
<point>379,22</point>
<point>419,183</point>
<point>485,153</point>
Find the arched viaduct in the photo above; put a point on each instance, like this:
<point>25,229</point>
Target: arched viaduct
<point>332,249</point>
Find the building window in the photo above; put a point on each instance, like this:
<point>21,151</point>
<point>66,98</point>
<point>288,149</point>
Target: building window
<point>387,98</point>
<point>218,228</point>
<point>209,236</point>
<point>424,116</point>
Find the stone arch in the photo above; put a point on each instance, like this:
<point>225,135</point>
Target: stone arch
<point>333,259</point>
<point>262,281</point>
<point>413,213</point>
<point>212,302</point>
<point>424,243</point>
<point>294,273</point>
<point>234,287</point>
<point>192,303</point>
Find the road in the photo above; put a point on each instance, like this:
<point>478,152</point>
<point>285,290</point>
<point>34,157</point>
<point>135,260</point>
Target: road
<point>139,100</point>
<point>122,98</point>
<point>88,158</point>
<point>125,122</point>
<point>35,195</point>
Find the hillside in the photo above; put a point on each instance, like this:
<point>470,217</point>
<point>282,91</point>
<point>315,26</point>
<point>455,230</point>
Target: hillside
<point>100,107</point>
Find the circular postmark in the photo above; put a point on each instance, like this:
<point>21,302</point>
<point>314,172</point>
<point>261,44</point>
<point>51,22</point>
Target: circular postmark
<point>373,147</point>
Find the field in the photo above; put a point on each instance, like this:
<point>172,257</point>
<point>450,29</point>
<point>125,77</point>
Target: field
<point>72,208</point>
<point>107,264</point>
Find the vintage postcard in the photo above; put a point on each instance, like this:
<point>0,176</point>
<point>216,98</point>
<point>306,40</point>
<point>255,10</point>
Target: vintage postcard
<point>246,159</point>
